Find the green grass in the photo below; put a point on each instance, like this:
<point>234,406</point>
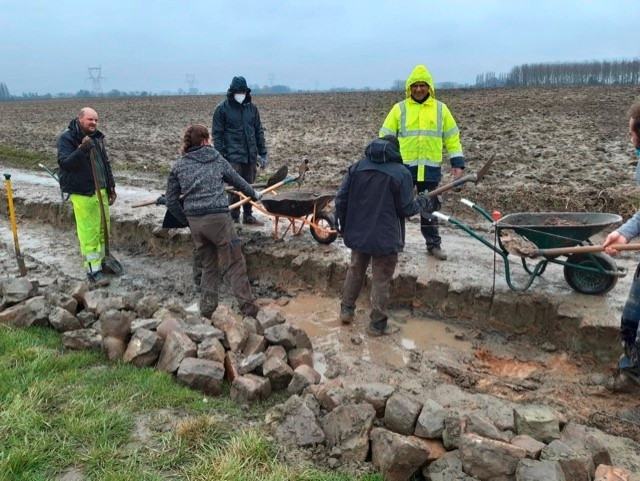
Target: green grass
<point>23,158</point>
<point>61,410</point>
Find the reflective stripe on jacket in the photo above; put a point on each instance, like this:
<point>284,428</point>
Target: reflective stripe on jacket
<point>423,128</point>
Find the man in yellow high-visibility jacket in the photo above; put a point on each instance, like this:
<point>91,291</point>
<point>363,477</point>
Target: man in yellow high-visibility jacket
<point>423,125</point>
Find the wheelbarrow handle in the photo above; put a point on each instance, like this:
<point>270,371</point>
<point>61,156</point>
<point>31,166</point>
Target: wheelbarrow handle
<point>560,251</point>
<point>286,181</point>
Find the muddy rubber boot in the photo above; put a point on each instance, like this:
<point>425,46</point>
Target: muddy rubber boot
<point>438,253</point>
<point>387,330</point>
<point>208,303</point>
<point>250,220</point>
<point>346,314</point>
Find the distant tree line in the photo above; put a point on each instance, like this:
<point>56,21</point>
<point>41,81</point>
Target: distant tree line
<point>606,72</point>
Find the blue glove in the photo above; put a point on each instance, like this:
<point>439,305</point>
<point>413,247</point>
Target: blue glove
<point>263,161</point>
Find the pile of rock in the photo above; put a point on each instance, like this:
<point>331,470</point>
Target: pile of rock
<point>403,436</point>
<point>256,356</point>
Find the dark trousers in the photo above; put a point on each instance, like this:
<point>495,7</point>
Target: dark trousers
<point>248,173</point>
<point>218,246</point>
<point>382,269</point>
<point>629,329</point>
<point>428,222</point>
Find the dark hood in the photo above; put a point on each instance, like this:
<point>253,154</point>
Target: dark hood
<point>202,154</point>
<point>382,151</point>
<point>237,84</point>
<point>78,133</point>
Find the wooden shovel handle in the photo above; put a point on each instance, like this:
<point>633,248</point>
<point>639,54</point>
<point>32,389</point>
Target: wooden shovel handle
<point>262,192</point>
<point>585,249</point>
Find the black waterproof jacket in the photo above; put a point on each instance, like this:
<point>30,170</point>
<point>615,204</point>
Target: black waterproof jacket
<point>75,167</point>
<point>375,196</point>
<point>237,130</point>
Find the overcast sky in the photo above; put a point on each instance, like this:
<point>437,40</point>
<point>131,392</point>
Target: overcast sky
<point>46,46</point>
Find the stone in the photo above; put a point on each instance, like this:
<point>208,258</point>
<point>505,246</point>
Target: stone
<point>211,349</point>
<point>254,345</point>
<point>253,325</point>
<point>232,366</point>
<point>537,421</point>
<point>17,290</point>
<point>582,440</point>
<point>610,473</point>
<point>532,446</point>
<point>202,375</point>
<point>531,470</point>
<point>299,425</point>
<point>401,414</point>
<point>577,466</point>
<point>452,430</point>
<point>303,376</point>
<point>269,318</point>
<point>91,299</point>
<point>168,326</point>
<point>287,336</point>
<point>278,372</point>
<point>150,324</point>
<point>200,332</point>
<point>63,300</point>
<point>62,320</point>
<point>483,427</point>
<point>82,339</point>
<point>300,356</point>
<point>144,348</point>
<point>87,318</point>
<point>277,351</point>
<point>18,315</point>
<point>249,364</point>
<point>486,458</point>
<point>146,306</point>
<point>347,427</point>
<point>375,394</point>
<point>430,423</point>
<point>39,311</point>
<point>447,467</point>
<point>235,334</point>
<point>250,388</point>
<point>398,457</point>
<point>177,347</point>
<point>109,303</point>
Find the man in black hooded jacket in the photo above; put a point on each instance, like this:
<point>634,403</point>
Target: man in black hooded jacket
<point>238,135</point>
<point>375,196</point>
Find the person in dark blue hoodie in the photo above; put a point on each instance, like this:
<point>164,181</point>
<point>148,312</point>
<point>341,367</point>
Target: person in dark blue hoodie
<point>372,202</point>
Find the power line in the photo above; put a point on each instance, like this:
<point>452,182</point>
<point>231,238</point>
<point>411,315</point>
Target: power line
<point>95,75</point>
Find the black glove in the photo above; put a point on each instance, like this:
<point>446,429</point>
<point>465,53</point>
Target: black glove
<point>87,146</point>
<point>256,197</point>
<point>433,203</point>
<point>162,200</point>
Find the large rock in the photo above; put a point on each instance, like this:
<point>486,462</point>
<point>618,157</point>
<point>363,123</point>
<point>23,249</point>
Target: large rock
<point>376,394</point>
<point>211,349</point>
<point>537,421</point>
<point>62,320</point>
<point>236,334</point>
<point>249,364</point>
<point>532,446</point>
<point>176,347</point>
<point>269,318</point>
<point>610,473</point>
<point>577,465</point>
<point>63,300</point>
<point>147,306</point>
<point>250,388</point>
<point>202,375</point>
<point>18,290</point>
<point>582,440</point>
<point>531,470</point>
<point>255,344</point>
<point>115,327</point>
<point>232,365</point>
<point>486,458</point>
<point>200,332</point>
<point>91,299</point>
<point>39,311</point>
<point>18,316</point>
<point>401,414</point>
<point>485,428</point>
<point>82,339</point>
<point>303,376</point>
<point>168,326</point>
<point>296,422</point>
<point>347,427</point>
<point>150,324</point>
<point>278,372</point>
<point>143,349</point>
<point>398,457</point>
<point>448,467</point>
<point>452,430</point>
<point>430,423</point>
<point>287,336</point>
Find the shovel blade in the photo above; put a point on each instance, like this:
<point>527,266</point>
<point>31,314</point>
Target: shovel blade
<point>279,176</point>
<point>110,265</point>
<point>485,168</point>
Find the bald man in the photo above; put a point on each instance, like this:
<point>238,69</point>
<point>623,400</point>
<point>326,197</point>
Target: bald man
<point>75,146</point>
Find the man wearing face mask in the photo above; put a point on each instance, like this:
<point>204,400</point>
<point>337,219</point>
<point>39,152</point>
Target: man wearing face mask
<point>238,135</point>
<point>629,328</point>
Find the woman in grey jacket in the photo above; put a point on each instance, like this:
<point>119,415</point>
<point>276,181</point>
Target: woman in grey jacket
<point>629,324</point>
<point>199,177</point>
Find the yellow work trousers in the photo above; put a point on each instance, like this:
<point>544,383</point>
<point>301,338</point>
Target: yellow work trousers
<point>89,226</point>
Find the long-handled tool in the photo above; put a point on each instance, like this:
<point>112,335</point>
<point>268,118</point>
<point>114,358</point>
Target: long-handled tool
<point>563,251</point>
<point>467,178</point>
<point>298,178</point>
<point>14,230</point>
<point>280,174</point>
<point>110,263</point>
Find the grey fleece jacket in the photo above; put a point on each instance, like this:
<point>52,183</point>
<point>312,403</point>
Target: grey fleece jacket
<point>201,176</point>
<point>631,228</point>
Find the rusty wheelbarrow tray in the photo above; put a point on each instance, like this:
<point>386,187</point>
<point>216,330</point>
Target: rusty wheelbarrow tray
<point>299,209</point>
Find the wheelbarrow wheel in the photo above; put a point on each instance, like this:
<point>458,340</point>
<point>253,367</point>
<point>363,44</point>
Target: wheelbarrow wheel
<point>324,220</point>
<point>587,282</point>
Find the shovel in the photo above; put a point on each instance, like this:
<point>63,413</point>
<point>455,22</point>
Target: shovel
<point>109,264</point>
<point>467,178</point>
<point>562,251</point>
<point>281,174</point>
<point>12,215</point>
<point>302,169</point>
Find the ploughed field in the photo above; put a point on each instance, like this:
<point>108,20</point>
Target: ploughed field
<point>556,149</point>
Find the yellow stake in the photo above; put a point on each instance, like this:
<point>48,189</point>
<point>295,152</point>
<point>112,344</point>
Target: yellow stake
<point>14,229</point>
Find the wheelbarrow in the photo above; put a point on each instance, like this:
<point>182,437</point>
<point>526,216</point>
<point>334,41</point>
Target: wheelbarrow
<point>300,209</point>
<point>552,235</point>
